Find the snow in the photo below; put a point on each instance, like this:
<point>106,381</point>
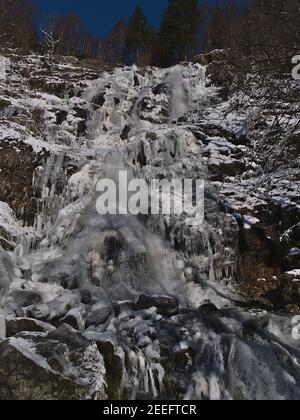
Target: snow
<point>26,347</point>
<point>294,273</point>
<point>118,258</point>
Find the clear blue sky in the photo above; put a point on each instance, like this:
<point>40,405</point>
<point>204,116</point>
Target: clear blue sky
<point>99,16</point>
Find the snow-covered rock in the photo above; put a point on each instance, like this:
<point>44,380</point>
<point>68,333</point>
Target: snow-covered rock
<point>147,307</point>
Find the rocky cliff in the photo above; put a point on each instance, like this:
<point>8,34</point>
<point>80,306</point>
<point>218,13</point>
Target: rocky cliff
<point>135,307</point>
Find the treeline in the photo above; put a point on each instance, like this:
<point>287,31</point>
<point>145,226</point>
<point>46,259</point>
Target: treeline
<point>187,27</point>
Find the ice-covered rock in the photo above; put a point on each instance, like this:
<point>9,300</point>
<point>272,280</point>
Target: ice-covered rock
<point>152,300</point>
<point>51,366</point>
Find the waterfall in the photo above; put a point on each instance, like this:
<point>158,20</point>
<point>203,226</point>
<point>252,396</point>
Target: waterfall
<point>213,345</point>
<point>179,93</point>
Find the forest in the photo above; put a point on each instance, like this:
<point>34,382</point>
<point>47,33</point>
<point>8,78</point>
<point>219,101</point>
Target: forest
<point>266,29</point>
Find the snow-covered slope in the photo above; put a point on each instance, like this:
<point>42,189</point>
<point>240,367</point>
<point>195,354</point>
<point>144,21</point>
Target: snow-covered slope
<point>151,303</point>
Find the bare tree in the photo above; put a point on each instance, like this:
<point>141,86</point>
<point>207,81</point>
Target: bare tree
<point>51,43</point>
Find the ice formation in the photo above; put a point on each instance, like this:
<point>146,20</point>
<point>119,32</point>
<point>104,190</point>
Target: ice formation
<point>93,269</point>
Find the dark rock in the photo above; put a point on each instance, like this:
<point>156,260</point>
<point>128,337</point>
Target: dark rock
<point>82,113</point>
<point>220,74</point>
<point>53,88</point>
<point>81,128</point>
<point>114,363</point>
<point>18,325</point>
<point>54,310</point>
<point>259,256</point>
<point>25,298</point>
<point>99,100</point>
<point>232,168</point>
<point>166,305</point>
<point>18,165</point>
<point>86,296</point>
<point>61,117</point>
<point>4,104</point>
<point>125,132</point>
<point>207,308</point>
<point>74,319</point>
<point>98,315</point>
<point>215,55</point>
<point>160,89</point>
<point>292,260</point>
<point>61,365</point>
<point>124,306</point>
<point>141,157</point>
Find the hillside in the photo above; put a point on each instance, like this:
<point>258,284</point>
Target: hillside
<point>148,306</point>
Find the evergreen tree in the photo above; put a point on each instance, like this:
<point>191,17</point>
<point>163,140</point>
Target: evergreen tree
<point>178,32</point>
<point>117,41</point>
<point>217,30</point>
<point>139,33</point>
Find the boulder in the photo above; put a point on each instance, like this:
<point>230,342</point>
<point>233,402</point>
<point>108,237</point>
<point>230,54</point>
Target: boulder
<point>55,309</point>
<point>207,309</point>
<point>98,315</point>
<point>166,305</point>
<point>114,359</point>
<point>74,318</point>
<point>60,365</point>
<point>4,103</point>
<point>208,58</point>
<point>19,325</point>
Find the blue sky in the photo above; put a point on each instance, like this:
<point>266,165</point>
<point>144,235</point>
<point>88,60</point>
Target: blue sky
<point>99,16</point>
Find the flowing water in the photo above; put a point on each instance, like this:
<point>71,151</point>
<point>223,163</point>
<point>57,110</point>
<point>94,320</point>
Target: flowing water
<point>234,352</point>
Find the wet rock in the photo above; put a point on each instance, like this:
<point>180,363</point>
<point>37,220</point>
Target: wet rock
<point>55,309</point>
<point>6,273</point>
<point>160,89</point>
<point>57,88</point>
<point>220,73</point>
<point>61,365</point>
<point>215,55</point>
<point>74,318</point>
<point>207,309</point>
<point>99,100</point>
<point>166,305</point>
<point>19,325</point>
<point>61,116</point>
<point>98,315</point>
<point>292,259</point>
<point>218,69</point>
<point>125,132</point>
<point>82,114</point>
<point>17,300</point>
<point>113,357</point>
<point>124,306</point>
<point>18,162</point>
<point>86,296</point>
<point>4,103</point>
<point>259,256</point>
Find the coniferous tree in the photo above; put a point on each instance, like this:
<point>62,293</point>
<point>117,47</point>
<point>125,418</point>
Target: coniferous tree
<point>139,34</point>
<point>216,33</point>
<point>178,31</point>
<point>117,42</point>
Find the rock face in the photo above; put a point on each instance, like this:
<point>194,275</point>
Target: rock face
<point>18,165</point>
<point>218,70</point>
